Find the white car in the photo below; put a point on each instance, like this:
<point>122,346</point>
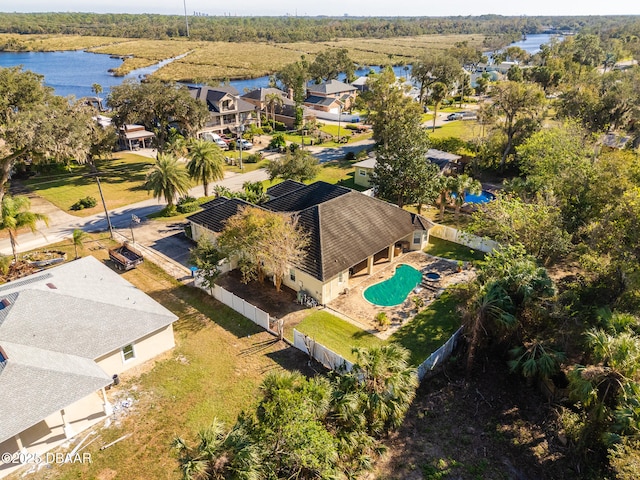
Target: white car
<point>245,144</point>
<point>212,137</point>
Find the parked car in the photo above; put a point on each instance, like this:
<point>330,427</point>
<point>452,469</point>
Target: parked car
<point>455,116</point>
<point>245,144</point>
<point>215,138</point>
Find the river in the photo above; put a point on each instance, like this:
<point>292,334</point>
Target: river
<point>74,72</point>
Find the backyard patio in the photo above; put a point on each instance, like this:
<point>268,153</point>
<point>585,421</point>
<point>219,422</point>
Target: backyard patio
<point>353,305</point>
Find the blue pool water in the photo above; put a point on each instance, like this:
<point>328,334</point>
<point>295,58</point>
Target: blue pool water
<point>484,197</point>
<point>394,290</point>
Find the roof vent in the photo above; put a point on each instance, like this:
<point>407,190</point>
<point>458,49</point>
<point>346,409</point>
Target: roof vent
<point>52,286</point>
<point>4,303</point>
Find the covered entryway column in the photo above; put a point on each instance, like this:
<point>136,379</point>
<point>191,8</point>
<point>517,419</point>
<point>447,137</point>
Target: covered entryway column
<point>370,265</point>
<point>392,251</point>
<point>21,447</point>
<point>68,430</point>
<point>106,406</point>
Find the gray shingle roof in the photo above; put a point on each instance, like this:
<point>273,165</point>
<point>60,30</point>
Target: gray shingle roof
<point>310,195</point>
<point>55,326</point>
<point>331,87</point>
<point>36,383</point>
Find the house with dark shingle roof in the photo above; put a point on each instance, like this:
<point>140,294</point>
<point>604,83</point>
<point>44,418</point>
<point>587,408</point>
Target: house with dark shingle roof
<point>348,232</point>
<point>227,110</point>
<point>64,334</point>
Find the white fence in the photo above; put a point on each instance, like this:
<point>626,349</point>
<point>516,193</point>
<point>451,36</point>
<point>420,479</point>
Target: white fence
<point>319,352</point>
<point>439,356</point>
<point>463,238</point>
<point>244,308</point>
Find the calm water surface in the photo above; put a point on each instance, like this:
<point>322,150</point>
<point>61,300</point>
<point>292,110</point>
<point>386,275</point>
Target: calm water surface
<point>74,72</point>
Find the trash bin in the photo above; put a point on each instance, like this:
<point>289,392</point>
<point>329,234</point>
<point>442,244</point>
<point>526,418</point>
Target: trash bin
<point>116,379</point>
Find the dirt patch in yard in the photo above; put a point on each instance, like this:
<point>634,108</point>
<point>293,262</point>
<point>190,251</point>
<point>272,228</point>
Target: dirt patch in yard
<point>280,305</point>
<point>490,426</point>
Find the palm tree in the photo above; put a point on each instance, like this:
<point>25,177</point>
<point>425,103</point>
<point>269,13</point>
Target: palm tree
<point>438,93</point>
<point>460,186</point>
<point>387,384</point>
<point>487,311</point>
<point>206,163</point>
<point>15,215</point>
<point>219,455</point>
<point>167,179</point>
<point>79,236</point>
<point>445,190</point>
<point>271,100</point>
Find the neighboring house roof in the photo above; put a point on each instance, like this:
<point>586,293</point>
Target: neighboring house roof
<point>54,325</point>
<point>613,140</point>
<point>283,188</point>
<point>345,227</point>
<point>321,101</point>
<point>360,81</point>
<point>260,94</point>
<point>214,218</point>
<point>331,88</point>
<point>213,95</point>
<point>369,162</point>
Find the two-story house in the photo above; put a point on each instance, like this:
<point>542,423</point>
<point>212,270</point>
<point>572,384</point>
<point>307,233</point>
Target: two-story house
<point>333,96</point>
<point>227,109</point>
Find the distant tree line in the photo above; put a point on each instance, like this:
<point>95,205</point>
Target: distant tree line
<point>291,29</point>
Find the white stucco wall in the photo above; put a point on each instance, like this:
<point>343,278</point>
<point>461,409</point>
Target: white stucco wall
<point>144,348</point>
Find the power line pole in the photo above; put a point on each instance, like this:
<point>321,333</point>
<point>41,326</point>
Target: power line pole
<point>186,19</point>
<point>106,212</point>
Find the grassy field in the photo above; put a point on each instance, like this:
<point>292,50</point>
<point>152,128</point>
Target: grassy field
<point>422,336</point>
<point>219,360</point>
<point>453,251</point>
<point>217,61</point>
<point>336,334</point>
<point>464,129</point>
<point>121,177</point>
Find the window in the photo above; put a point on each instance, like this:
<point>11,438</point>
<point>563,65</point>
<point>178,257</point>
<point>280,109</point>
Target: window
<point>128,353</point>
<point>362,172</point>
<point>417,237</point>
<point>340,277</point>
<point>292,275</point>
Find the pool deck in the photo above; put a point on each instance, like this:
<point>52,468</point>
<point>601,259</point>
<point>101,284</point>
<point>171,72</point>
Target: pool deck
<point>355,308</point>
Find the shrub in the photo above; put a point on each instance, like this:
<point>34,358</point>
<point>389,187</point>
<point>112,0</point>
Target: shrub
<point>187,205</point>
<point>86,202</point>
<point>350,156</point>
<point>293,147</point>
<point>351,126</point>
<point>280,127</point>
<point>267,129</point>
<point>277,141</point>
<point>253,158</point>
<point>383,320</point>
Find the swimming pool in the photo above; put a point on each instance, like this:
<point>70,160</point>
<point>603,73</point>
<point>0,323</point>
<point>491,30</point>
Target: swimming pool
<point>484,197</point>
<point>394,290</point>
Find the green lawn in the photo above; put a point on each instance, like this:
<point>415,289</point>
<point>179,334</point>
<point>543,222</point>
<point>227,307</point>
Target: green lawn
<point>121,177</point>
<point>464,129</point>
<point>336,334</point>
<point>430,329</point>
<point>453,251</point>
<point>421,336</point>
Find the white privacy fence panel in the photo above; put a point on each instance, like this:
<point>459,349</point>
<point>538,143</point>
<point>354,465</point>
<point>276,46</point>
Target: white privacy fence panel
<point>463,238</point>
<point>319,352</point>
<point>244,308</point>
<point>439,356</point>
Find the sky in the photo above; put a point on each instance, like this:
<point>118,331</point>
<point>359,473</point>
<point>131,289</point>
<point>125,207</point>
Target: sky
<point>333,7</point>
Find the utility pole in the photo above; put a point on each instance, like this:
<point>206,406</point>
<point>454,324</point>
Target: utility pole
<point>186,19</point>
<point>104,204</point>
